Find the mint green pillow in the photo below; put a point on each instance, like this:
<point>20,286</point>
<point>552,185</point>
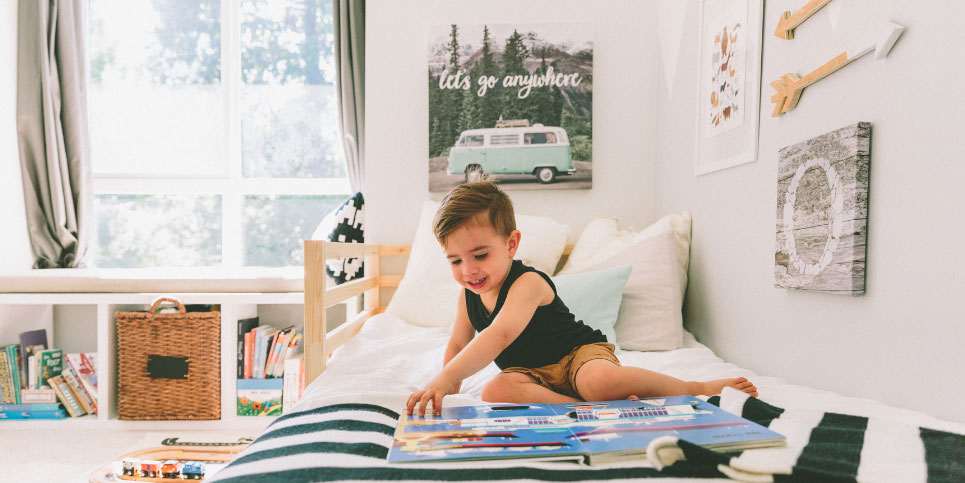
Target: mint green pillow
<point>594,297</point>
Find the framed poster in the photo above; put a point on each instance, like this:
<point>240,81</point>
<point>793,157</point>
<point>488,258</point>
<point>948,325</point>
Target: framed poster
<point>729,84</point>
<point>512,101</point>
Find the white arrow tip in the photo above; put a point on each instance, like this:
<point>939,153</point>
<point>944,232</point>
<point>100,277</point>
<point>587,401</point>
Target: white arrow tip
<point>886,34</point>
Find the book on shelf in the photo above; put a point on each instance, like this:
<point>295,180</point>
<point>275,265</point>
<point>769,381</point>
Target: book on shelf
<point>262,334</point>
<point>259,397</point>
<point>31,407</point>
<point>32,342</point>
<point>73,382</point>
<point>249,354</point>
<point>36,396</point>
<point>50,363</point>
<point>66,396</point>
<point>17,376</point>
<point>273,342</point>
<point>33,414</point>
<point>7,394</point>
<point>89,361</point>
<point>290,348</point>
<point>244,326</point>
<point>276,364</point>
<point>84,375</point>
<point>294,385</point>
<point>590,432</point>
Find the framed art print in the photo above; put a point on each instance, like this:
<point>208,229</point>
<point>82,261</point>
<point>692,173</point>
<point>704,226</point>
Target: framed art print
<point>728,98</point>
<point>512,101</point>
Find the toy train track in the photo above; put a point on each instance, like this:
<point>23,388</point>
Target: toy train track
<point>175,442</point>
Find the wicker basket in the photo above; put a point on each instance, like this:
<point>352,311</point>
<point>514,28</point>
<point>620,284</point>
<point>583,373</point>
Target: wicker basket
<point>168,365</point>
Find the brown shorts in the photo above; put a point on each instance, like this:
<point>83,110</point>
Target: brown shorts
<point>561,377</point>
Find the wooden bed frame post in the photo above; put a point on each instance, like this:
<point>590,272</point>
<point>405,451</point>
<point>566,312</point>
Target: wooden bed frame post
<point>314,309</point>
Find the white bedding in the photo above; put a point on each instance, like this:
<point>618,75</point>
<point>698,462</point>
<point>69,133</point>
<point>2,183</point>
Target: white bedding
<point>389,359</point>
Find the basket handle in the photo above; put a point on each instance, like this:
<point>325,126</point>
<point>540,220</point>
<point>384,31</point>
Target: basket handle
<point>177,303</point>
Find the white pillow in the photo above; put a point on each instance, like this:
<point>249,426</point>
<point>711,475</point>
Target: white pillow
<point>601,238</point>
<point>650,317</point>
<point>427,294</point>
<point>541,242</point>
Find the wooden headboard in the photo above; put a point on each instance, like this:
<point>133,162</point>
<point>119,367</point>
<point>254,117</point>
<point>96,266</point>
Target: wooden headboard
<point>319,343</point>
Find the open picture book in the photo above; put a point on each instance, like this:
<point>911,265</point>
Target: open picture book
<point>591,432</point>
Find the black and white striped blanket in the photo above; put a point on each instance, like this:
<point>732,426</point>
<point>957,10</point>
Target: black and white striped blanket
<point>350,441</point>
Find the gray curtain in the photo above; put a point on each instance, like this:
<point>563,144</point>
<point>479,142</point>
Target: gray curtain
<point>349,22</point>
<point>52,130</point>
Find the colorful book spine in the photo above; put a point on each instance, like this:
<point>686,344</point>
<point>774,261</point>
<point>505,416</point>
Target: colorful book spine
<point>244,326</point>
<point>249,354</point>
<point>282,340</point>
<point>269,354</point>
<point>80,373</point>
<point>58,414</point>
<point>30,407</point>
<point>289,351</point>
<point>74,384</point>
<point>65,396</point>
<point>16,369</point>
<point>6,382</point>
<point>89,361</point>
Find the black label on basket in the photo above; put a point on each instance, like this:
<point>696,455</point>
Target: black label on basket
<point>167,367</point>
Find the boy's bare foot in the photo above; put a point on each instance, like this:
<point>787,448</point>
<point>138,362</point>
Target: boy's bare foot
<point>710,388</point>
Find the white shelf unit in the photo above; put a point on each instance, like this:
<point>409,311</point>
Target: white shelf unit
<point>233,307</point>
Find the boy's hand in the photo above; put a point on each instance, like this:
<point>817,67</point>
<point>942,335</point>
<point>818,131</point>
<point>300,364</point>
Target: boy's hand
<point>433,392</point>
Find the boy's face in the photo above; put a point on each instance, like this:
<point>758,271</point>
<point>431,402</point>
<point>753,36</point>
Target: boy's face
<point>479,257</point>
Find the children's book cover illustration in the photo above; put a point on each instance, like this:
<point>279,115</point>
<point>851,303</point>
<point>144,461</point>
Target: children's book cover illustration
<point>594,432</point>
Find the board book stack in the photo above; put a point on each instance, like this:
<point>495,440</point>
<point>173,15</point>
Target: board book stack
<point>590,432</point>
<point>267,372</point>
<point>41,383</point>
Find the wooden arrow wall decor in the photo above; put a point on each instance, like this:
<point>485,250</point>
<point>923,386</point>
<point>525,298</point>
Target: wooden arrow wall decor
<point>789,21</point>
<point>789,87</point>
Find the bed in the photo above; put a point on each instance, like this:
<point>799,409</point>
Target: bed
<point>362,373</point>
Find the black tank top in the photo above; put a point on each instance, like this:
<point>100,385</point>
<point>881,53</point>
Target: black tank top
<point>551,334</point>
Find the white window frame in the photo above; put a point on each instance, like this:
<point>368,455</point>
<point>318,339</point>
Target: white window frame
<point>232,186</point>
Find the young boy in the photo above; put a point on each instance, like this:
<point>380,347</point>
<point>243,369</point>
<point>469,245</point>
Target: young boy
<point>546,355</point>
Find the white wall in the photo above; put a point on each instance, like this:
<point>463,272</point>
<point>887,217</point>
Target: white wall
<point>14,247</point>
<point>624,109</point>
<point>901,342</point>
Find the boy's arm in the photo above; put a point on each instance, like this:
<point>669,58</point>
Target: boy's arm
<point>527,293</point>
<point>462,334</point>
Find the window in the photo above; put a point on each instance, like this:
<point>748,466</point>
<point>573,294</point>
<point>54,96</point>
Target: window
<point>473,141</point>
<point>214,130</point>
<point>539,138</point>
<point>504,139</point>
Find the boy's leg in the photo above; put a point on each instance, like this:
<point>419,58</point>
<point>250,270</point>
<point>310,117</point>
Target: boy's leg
<point>601,380</point>
<point>515,387</point>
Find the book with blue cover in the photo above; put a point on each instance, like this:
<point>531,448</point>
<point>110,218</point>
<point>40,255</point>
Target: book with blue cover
<point>33,414</point>
<point>593,432</point>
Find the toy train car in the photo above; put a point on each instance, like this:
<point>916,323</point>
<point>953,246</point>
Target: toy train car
<point>170,469</point>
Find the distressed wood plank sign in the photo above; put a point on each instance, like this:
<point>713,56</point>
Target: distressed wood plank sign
<point>822,212</point>
<point>788,87</point>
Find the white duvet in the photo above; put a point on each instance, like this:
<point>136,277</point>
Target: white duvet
<point>390,358</point>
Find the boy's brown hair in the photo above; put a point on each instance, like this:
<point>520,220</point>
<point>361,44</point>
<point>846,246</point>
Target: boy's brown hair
<point>467,200</point>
